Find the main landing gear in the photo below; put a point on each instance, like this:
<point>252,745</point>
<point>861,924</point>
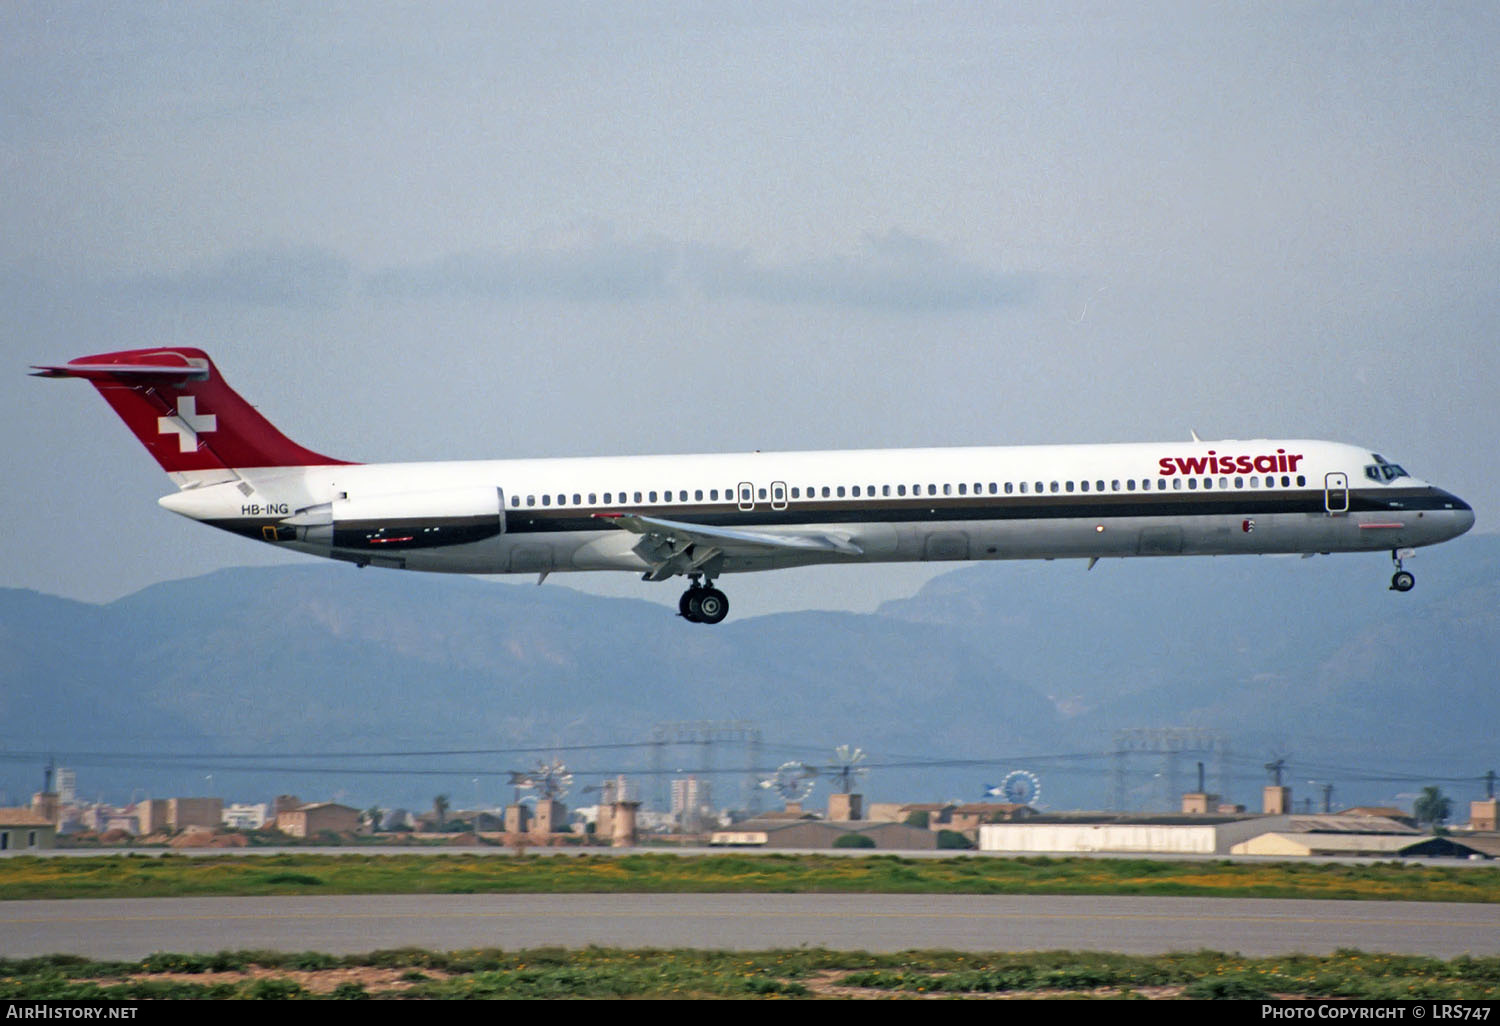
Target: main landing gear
<point>703,604</point>
<point>1401,580</point>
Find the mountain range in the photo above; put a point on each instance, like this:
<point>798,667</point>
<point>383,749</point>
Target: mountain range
<point>380,687</point>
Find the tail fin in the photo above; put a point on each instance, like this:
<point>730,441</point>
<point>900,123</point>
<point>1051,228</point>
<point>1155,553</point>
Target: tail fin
<point>178,405</point>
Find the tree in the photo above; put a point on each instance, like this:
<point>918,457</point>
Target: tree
<point>440,811</point>
<point>1432,807</point>
<point>953,839</point>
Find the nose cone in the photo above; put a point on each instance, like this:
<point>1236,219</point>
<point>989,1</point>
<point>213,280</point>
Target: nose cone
<point>1456,514</point>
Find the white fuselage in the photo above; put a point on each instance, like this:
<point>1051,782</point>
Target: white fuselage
<point>1082,501</point>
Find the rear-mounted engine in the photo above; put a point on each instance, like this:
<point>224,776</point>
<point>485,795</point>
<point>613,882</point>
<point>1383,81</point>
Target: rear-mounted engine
<point>400,522</point>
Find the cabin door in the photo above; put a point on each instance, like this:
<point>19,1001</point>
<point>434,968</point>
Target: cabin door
<point>1336,494</point>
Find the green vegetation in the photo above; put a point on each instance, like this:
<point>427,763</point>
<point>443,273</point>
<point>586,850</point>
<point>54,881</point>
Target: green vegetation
<point>410,973</point>
<point>138,875</point>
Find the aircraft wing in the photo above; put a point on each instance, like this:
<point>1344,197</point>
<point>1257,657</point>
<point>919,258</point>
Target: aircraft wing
<point>674,546</point>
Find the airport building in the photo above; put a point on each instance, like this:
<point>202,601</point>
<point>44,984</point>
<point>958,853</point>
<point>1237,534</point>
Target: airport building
<point>26,830</point>
<point>316,818</point>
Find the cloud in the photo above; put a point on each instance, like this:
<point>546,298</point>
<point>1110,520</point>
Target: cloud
<point>600,272</point>
<point>896,272</point>
<point>298,277</point>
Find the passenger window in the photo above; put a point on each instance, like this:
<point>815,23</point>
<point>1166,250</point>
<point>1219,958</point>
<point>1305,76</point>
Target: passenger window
<point>1068,486</point>
<point>1130,485</point>
<point>1099,486</point>
<point>840,491</point>
<point>963,489</point>
<point>901,489</point>
<point>1286,482</point>
<point>1023,487</point>
<point>932,489</point>
<point>1177,484</point>
<point>546,500</point>
<point>825,491</point>
<point>637,496</point>
<point>577,499</point>
<point>947,489</point>
<point>995,488</point>
<point>885,490</point>
<point>1255,482</point>
<point>1007,488</point>
<point>1083,486</point>
<point>1301,481</point>
<point>1223,482</point>
<point>698,495</point>
<point>531,500</point>
<point>1114,486</point>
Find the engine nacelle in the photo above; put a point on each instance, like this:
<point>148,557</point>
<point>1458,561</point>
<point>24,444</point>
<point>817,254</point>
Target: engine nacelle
<point>403,521</point>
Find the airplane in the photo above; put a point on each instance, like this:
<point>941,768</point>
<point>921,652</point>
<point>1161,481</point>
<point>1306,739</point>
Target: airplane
<point>702,516</point>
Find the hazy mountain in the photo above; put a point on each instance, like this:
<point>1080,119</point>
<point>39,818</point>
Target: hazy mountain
<point>1314,659</point>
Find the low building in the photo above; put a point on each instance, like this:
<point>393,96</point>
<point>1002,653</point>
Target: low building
<point>317,818</point>
<point>937,814</point>
<point>975,814</point>
<point>1351,844</point>
<point>243,816</point>
<point>818,834</point>
<point>155,815</point>
<point>1199,834</point>
<point>25,830</point>
<point>1174,833</point>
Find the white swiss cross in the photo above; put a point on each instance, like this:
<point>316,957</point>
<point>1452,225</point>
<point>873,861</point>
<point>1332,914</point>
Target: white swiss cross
<point>186,424</point>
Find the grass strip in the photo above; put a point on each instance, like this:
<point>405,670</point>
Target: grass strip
<point>597,972</point>
<point>140,875</point>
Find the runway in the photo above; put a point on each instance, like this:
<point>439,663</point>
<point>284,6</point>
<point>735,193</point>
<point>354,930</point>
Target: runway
<point>131,928</point>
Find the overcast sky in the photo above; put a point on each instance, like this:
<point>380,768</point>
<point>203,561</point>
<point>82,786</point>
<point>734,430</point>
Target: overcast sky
<point>431,231</point>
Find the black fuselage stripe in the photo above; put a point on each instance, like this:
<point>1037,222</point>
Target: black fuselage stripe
<point>936,509</point>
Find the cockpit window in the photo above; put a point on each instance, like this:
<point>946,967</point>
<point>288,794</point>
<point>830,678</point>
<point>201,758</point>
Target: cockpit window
<point>1384,471</point>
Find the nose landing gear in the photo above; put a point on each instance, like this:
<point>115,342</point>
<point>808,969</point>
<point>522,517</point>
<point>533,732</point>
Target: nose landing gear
<point>703,604</point>
<point>1401,580</point>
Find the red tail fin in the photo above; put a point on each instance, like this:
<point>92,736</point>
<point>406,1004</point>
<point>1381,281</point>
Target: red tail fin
<point>182,411</point>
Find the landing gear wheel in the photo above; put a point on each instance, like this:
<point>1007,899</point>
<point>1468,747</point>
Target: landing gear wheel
<point>685,605</point>
<point>1402,580</point>
<point>712,605</point>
